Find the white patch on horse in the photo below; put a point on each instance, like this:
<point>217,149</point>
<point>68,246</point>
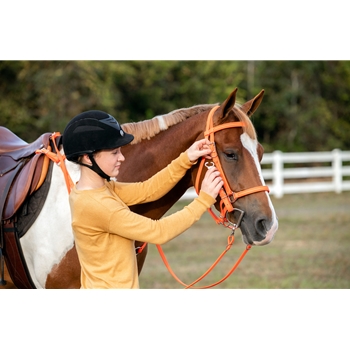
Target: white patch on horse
<point>43,251</point>
<point>252,147</point>
<point>161,122</point>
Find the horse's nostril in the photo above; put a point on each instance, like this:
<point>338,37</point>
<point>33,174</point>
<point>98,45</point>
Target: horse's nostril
<point>261,227</point>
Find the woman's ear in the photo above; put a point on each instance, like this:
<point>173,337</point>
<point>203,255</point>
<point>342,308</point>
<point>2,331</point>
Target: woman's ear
<point>86,160</point>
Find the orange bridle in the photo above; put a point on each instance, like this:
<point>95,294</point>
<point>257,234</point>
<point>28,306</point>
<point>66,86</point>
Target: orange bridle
<point>227,196</point>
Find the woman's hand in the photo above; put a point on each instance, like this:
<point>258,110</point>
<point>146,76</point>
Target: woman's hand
<point>212,182</point>
<point>199,149</point>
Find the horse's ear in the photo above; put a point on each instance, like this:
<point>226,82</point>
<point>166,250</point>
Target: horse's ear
<point>229,103</point>
<point>252,105</point>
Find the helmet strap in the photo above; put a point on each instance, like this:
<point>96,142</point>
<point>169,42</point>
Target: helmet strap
<point>94,167</point>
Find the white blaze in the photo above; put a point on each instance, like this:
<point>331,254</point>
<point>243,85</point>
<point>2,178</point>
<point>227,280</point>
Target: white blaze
<point>251,146</point>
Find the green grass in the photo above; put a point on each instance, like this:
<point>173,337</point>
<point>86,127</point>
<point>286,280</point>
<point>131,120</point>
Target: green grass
<point>311,249</point>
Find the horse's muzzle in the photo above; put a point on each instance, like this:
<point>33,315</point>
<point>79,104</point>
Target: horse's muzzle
<point>260,233</point>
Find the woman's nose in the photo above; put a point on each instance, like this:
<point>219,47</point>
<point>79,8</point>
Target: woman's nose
<point>121,157</point>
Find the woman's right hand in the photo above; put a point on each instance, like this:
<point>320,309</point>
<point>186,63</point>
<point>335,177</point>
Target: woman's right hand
<point>212,182</point>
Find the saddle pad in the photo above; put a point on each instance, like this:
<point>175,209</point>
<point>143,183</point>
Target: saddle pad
<point>31,208</point>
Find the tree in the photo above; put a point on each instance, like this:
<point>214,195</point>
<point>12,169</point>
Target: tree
<point>305,108</point>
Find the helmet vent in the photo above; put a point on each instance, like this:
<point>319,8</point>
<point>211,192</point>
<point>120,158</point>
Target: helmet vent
<point>87,128</point>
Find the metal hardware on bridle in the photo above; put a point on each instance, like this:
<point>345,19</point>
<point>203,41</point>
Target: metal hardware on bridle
<point>206,164</point>
<point>139,250</point>
<point>228,197</point>
<point>234,226</point>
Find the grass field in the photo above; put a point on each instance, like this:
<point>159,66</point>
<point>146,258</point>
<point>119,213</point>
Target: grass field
<point>311,249</point>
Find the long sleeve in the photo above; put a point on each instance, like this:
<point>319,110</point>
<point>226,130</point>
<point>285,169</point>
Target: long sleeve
<point>137,227</point>
<point>105,230</point>
<point>155,187</point>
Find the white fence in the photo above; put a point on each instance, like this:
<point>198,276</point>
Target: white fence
<point>323,172</point>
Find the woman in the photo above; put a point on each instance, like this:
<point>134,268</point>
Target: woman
<point>104,227</point>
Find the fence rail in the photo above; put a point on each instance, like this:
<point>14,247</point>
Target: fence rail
<point>322,172</point>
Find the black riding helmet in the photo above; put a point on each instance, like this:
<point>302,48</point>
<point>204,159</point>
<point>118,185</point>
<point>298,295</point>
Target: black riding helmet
<point>93,131</point>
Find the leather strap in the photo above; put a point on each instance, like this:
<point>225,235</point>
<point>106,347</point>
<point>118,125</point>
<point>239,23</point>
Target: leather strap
<point>14,257</point>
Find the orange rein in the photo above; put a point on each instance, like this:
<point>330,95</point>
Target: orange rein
<point>228,197</point>
<point>230,241</point>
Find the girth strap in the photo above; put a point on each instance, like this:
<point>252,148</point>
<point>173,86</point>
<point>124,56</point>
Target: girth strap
<point>14,257</point>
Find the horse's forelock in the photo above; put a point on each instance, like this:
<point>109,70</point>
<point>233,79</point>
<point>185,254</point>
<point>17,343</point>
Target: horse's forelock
<point>249,127</point>
<point>149,128</point>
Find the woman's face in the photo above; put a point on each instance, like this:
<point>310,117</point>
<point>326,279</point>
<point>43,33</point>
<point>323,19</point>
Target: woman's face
<point>110,161</point>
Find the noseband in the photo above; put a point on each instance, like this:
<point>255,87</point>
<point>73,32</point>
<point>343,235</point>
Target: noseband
<point>227,196</point>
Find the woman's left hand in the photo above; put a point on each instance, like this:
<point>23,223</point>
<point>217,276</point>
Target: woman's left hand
<point>199,149</point>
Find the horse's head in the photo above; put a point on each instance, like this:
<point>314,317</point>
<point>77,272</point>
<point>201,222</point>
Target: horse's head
<point>239,154</point>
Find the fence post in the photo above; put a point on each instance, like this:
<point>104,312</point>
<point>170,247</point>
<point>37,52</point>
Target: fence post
<point>277,167</point>
<point>337,170</point>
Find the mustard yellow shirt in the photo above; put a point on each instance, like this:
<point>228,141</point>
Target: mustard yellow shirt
<point>105,228</point>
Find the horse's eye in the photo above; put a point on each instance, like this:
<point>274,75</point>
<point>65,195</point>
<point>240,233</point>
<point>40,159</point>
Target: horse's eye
<point>231,156</point>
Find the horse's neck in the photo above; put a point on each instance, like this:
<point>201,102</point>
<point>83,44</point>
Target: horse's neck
<point>146,158</point>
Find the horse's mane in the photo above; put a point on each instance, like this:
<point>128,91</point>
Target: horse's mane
<point>146,129</point>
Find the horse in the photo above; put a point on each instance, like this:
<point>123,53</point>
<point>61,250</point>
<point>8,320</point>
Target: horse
<point>48,245</point>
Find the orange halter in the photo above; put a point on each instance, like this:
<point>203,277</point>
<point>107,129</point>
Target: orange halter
<point>228,197</point>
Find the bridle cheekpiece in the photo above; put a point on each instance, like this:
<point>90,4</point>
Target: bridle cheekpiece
<point>227,196</point>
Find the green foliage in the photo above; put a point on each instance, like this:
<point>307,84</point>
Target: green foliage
<point>305,107</point>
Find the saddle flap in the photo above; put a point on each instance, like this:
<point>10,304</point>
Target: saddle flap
<point>23,185</point>
<point>7,164</point>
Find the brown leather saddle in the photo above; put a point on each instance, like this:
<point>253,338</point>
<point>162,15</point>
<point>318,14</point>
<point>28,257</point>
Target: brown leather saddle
<point>20,169</point>
<point>22,172</point>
